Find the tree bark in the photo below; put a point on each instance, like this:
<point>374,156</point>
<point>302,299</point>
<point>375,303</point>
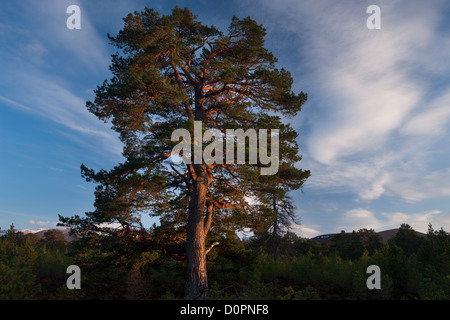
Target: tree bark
<point>196,287</point>
<point>275,231</point>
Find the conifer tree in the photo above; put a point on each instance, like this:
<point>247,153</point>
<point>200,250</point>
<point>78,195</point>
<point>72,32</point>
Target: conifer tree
<point>172,72</point>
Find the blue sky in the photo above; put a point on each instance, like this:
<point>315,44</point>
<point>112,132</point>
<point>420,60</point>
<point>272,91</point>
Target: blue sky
<point>375,131</point>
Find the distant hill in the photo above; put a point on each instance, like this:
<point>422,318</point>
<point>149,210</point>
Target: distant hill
<point>386,235</point>
<point>40,232</point>
<point>65,232</point>
<point>323,238</point>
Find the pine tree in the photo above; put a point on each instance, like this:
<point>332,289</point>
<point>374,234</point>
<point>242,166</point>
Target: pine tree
<point>275,221</point>
<point>172,72</point>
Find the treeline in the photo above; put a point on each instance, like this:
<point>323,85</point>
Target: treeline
<point>34,268</point>
<point>412,267</point>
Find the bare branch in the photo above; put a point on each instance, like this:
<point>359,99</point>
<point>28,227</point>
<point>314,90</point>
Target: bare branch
<point>212,246</point>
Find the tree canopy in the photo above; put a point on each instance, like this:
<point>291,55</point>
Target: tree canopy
<point>173,72</point>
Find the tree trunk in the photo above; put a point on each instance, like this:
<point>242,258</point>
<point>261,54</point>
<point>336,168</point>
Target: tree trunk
<point>275,231</point>
<point>196,287</point>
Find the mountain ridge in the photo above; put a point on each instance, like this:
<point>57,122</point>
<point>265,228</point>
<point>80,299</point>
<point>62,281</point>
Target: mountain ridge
<point>41,232</point>
<point>386,235</point>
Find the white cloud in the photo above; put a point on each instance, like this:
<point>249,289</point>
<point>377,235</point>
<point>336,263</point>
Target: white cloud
<point>306,232</point>
<point>34,51</point>
<point>42,224</point>
<point>371,92</point>
<point>418,221</point>
<point>365,176</point>
<point>38,35</point>
<point>47,99</point>
<point>421,186</point>
<point>84,45</point>
<point>372,122</point>
<point>359,218</point>
<point>376,190</point>
<point>431,122</point>
<point>40,63</point>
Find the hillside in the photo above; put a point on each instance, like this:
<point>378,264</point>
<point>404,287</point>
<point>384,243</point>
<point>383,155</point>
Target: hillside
<point>40,232</point>
<point>386,235</point>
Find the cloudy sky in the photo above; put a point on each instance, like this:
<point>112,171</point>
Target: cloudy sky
<point>375,131</point>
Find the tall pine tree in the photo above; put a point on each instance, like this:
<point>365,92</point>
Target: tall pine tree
<point>172,72</point>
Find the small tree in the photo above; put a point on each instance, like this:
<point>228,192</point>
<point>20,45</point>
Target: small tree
<point>370,239</point>
<point>435,251</point>
<point>54,238</point>
<point>17,268</point>
<point>275,221</point>
<point>407,239</point>
<point>349,245</point>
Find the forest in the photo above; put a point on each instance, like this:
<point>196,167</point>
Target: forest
<point>115,268</point>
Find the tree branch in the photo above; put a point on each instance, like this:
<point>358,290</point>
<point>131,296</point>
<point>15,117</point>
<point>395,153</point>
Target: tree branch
<point>212,246</point>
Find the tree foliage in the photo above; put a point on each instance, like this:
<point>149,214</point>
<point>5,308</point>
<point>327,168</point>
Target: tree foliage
<point>407,239</point>
<point>169,72</point>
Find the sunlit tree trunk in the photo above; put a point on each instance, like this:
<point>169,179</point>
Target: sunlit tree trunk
<point>196,276</point>
<point>196,286</point>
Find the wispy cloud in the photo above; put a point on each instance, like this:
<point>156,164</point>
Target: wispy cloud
<point>306,231</point>
<point>46,66</point>
<point>49,100</point>
<point>373,112</point>
<point>360,218</point>
<point>431,122</point>
<point>83,46</point>
<point>33,219</point>
<point>36,34</point>
<point>42,224</point>
<point>371,90</point>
